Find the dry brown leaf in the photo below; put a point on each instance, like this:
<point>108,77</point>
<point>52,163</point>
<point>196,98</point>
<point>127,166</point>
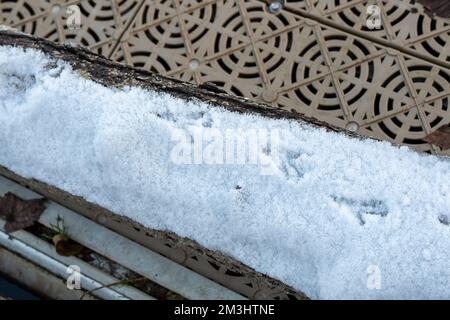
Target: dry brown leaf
<point>440,8</point>
<point>441,137</point>
<point>19,213</point>
<point>65,246</point>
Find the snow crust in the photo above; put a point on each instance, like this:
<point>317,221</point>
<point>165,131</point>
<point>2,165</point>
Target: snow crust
<point>336,218</point>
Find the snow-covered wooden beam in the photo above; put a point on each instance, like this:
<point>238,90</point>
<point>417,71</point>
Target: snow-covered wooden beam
<point>331,215</point>
<point>111,74</point>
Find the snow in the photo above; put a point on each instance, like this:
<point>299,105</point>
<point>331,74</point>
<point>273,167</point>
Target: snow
<point>333,216</point>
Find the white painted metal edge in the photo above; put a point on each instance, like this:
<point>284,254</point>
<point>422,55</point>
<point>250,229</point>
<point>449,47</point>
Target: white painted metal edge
<point>126,252</point>
<point>55,267</point>
<point>85,268</point>
<point>36,278</point>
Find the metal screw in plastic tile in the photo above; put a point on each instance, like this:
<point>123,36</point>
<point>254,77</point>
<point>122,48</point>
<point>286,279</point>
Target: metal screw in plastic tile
<point>56,10</point>
<point>194,64</point>
<point>275,7</point>
<point>352,126</point>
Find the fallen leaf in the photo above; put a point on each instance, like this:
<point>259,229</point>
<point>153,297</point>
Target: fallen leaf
<point>440,8</point>
<point>65,246</point>
<point>19,213</point>
<point>441,137</point>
